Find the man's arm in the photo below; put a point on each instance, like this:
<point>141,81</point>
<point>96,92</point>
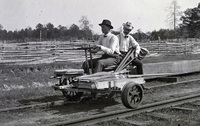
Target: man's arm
<point>96,47</point>
<point>113,45</point>
<point>135,44</point>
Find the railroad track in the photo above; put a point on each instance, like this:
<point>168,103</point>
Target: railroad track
<point>62,102</point>
<point>128,112</point>
<point>113,115</point>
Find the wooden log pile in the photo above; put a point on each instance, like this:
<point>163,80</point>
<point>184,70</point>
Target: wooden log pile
<point>63,50</point>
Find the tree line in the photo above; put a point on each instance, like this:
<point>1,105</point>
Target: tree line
<point>188,28</point>
<point>50,32</point>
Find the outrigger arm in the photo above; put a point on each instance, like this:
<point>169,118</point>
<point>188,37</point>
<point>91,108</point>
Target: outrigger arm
<point>129,57</point>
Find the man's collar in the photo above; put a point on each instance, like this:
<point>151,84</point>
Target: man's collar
<point>105,35</point>
<point>125,36</point>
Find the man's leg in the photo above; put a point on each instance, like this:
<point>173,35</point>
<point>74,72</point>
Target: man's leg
<point>87,65</point>
<point>139,66</point>
<point>102,63</point>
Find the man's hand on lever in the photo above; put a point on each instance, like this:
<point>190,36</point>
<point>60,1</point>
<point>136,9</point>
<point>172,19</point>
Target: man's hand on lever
<point>95,49</point>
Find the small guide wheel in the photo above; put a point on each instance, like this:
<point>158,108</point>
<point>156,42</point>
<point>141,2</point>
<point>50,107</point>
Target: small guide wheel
<point>72,96</point>
<point>132,95</point>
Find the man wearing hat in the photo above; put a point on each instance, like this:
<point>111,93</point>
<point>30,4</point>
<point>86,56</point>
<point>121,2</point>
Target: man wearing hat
<point>109,44</point>
<point>126,41</point>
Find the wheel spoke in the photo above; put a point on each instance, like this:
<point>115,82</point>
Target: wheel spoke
<point>129,98</point>
<point>134,91</point>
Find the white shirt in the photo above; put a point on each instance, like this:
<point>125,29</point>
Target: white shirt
<point>109,43</point>
<point>127,42</point>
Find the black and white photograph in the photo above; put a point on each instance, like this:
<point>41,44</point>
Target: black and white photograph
<point>100,63</point>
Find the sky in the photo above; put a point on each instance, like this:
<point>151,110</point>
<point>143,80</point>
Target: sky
<point>146,15</point>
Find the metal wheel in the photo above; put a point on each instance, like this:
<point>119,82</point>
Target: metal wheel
<point>132,95</point>
<point>72,96</point>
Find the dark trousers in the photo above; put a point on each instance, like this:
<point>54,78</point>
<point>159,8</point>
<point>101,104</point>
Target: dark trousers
<point>99,63</point>
<point>136,62</point>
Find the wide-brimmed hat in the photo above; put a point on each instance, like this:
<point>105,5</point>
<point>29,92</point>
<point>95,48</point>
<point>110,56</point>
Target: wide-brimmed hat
<point>107,23</point>
<point>143,53</point>
<point>128,25</point>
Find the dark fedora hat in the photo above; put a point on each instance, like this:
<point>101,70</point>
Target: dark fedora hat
<point>106,22</point>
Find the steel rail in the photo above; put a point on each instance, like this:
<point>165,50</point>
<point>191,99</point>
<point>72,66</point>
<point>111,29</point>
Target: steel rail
<point>127,112</point>
<point>175,83</point>
<point>62,102</point>
<point>39,105</point>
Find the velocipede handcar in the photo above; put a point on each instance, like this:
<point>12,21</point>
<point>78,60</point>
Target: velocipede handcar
<point>115,81</point>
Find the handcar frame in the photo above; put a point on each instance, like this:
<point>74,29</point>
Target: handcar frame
<point>75,85</point>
